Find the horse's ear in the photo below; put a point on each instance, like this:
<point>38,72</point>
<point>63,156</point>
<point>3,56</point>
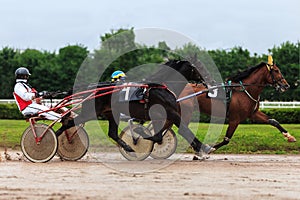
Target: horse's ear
<point>192,58</point>
<point>195,57</point>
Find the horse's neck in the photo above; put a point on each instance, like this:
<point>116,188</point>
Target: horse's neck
<point>176,88</point>
<point>256,82</point>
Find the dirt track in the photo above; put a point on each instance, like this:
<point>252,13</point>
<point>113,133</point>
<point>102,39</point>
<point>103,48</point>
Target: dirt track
<point>109,176</point>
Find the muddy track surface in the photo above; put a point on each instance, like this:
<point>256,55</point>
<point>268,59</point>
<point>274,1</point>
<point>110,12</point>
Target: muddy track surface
<point>109,176</point>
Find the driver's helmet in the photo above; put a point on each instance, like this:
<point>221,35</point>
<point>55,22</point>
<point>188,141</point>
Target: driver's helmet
<point>22,73</point>
<point>117,76</point>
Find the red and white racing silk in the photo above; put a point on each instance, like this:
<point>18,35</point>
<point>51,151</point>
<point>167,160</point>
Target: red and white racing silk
<point>23,94</point>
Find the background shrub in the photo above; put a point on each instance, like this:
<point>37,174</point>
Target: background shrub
<point>10,111</point>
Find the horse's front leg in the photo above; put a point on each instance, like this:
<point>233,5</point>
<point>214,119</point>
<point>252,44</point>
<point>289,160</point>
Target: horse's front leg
<point>229,133</point>
<point>66,124</point>
<point>69,122</point>
<point>160,123</point>
<point>261,117</point>
<point>113,133</point>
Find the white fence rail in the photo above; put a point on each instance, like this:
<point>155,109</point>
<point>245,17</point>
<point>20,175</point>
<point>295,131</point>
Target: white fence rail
<point>274,104</point>
<point>263,104</point>
<point>7,101</point>
<point>44,101</point>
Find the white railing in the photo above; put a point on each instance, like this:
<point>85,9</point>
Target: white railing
<point>44,101</point>
<point>262,105</point>
<point>7,101</point>
<point>279,104</point>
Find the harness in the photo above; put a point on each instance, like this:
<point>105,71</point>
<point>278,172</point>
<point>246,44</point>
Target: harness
<point>250,96</point>
<point>228,93</point>
<point>225,96</point>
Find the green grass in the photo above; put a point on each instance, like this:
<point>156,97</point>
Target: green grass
<point>248,138</point>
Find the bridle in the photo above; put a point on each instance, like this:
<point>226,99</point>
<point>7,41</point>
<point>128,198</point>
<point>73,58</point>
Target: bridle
<point>276,83</point>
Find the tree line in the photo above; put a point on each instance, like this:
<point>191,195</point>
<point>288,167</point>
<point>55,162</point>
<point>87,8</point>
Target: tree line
<point>53,71</point>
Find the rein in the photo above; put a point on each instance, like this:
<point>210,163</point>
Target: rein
<point>221,86</point>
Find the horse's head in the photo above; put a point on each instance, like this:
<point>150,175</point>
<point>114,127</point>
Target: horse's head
<point>190,72</point>
<point>186,69</point>
<point>275,77</point>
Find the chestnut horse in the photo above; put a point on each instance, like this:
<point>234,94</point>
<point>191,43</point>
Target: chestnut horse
<point>245,89</point>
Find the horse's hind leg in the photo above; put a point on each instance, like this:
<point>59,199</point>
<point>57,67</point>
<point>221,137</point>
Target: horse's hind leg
<point>189,136</point>
<point>261,117</point>
<point>229,133</point>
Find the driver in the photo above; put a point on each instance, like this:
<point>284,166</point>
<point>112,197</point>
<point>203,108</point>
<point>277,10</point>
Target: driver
<point>28,99</point>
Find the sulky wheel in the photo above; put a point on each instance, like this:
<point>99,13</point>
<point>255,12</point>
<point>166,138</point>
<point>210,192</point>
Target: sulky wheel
<point>167,147</point>
<point>73,143</point>
<point>41,151</point>
<point>141,146</point>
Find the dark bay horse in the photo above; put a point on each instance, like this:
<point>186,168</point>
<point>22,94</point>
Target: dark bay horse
<point>244,103</point>
<point>156,96</point>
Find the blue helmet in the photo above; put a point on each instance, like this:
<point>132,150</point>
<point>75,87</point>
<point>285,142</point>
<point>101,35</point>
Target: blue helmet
<point>117,75</point>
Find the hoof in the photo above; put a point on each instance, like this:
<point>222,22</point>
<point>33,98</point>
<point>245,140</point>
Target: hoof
<point>156,138</point>
<point>208,149</point>
<point>292,139</point>
<point>203,153</point>
<point>200,158</point>
<point>289,137</point>
<point>125,146</point>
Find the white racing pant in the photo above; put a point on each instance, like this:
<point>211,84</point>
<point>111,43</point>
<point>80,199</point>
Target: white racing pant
<point>35,108</point>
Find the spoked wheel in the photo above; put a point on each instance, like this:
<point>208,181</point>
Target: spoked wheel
<point>42,151</point>
<point>73,143</point>
<point>167,147</point>
<point>132,136</point>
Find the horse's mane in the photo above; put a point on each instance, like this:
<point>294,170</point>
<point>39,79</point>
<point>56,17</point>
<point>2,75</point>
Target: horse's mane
<point>244,74</point>
<point>163,72</point>
<point>175,63</point>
